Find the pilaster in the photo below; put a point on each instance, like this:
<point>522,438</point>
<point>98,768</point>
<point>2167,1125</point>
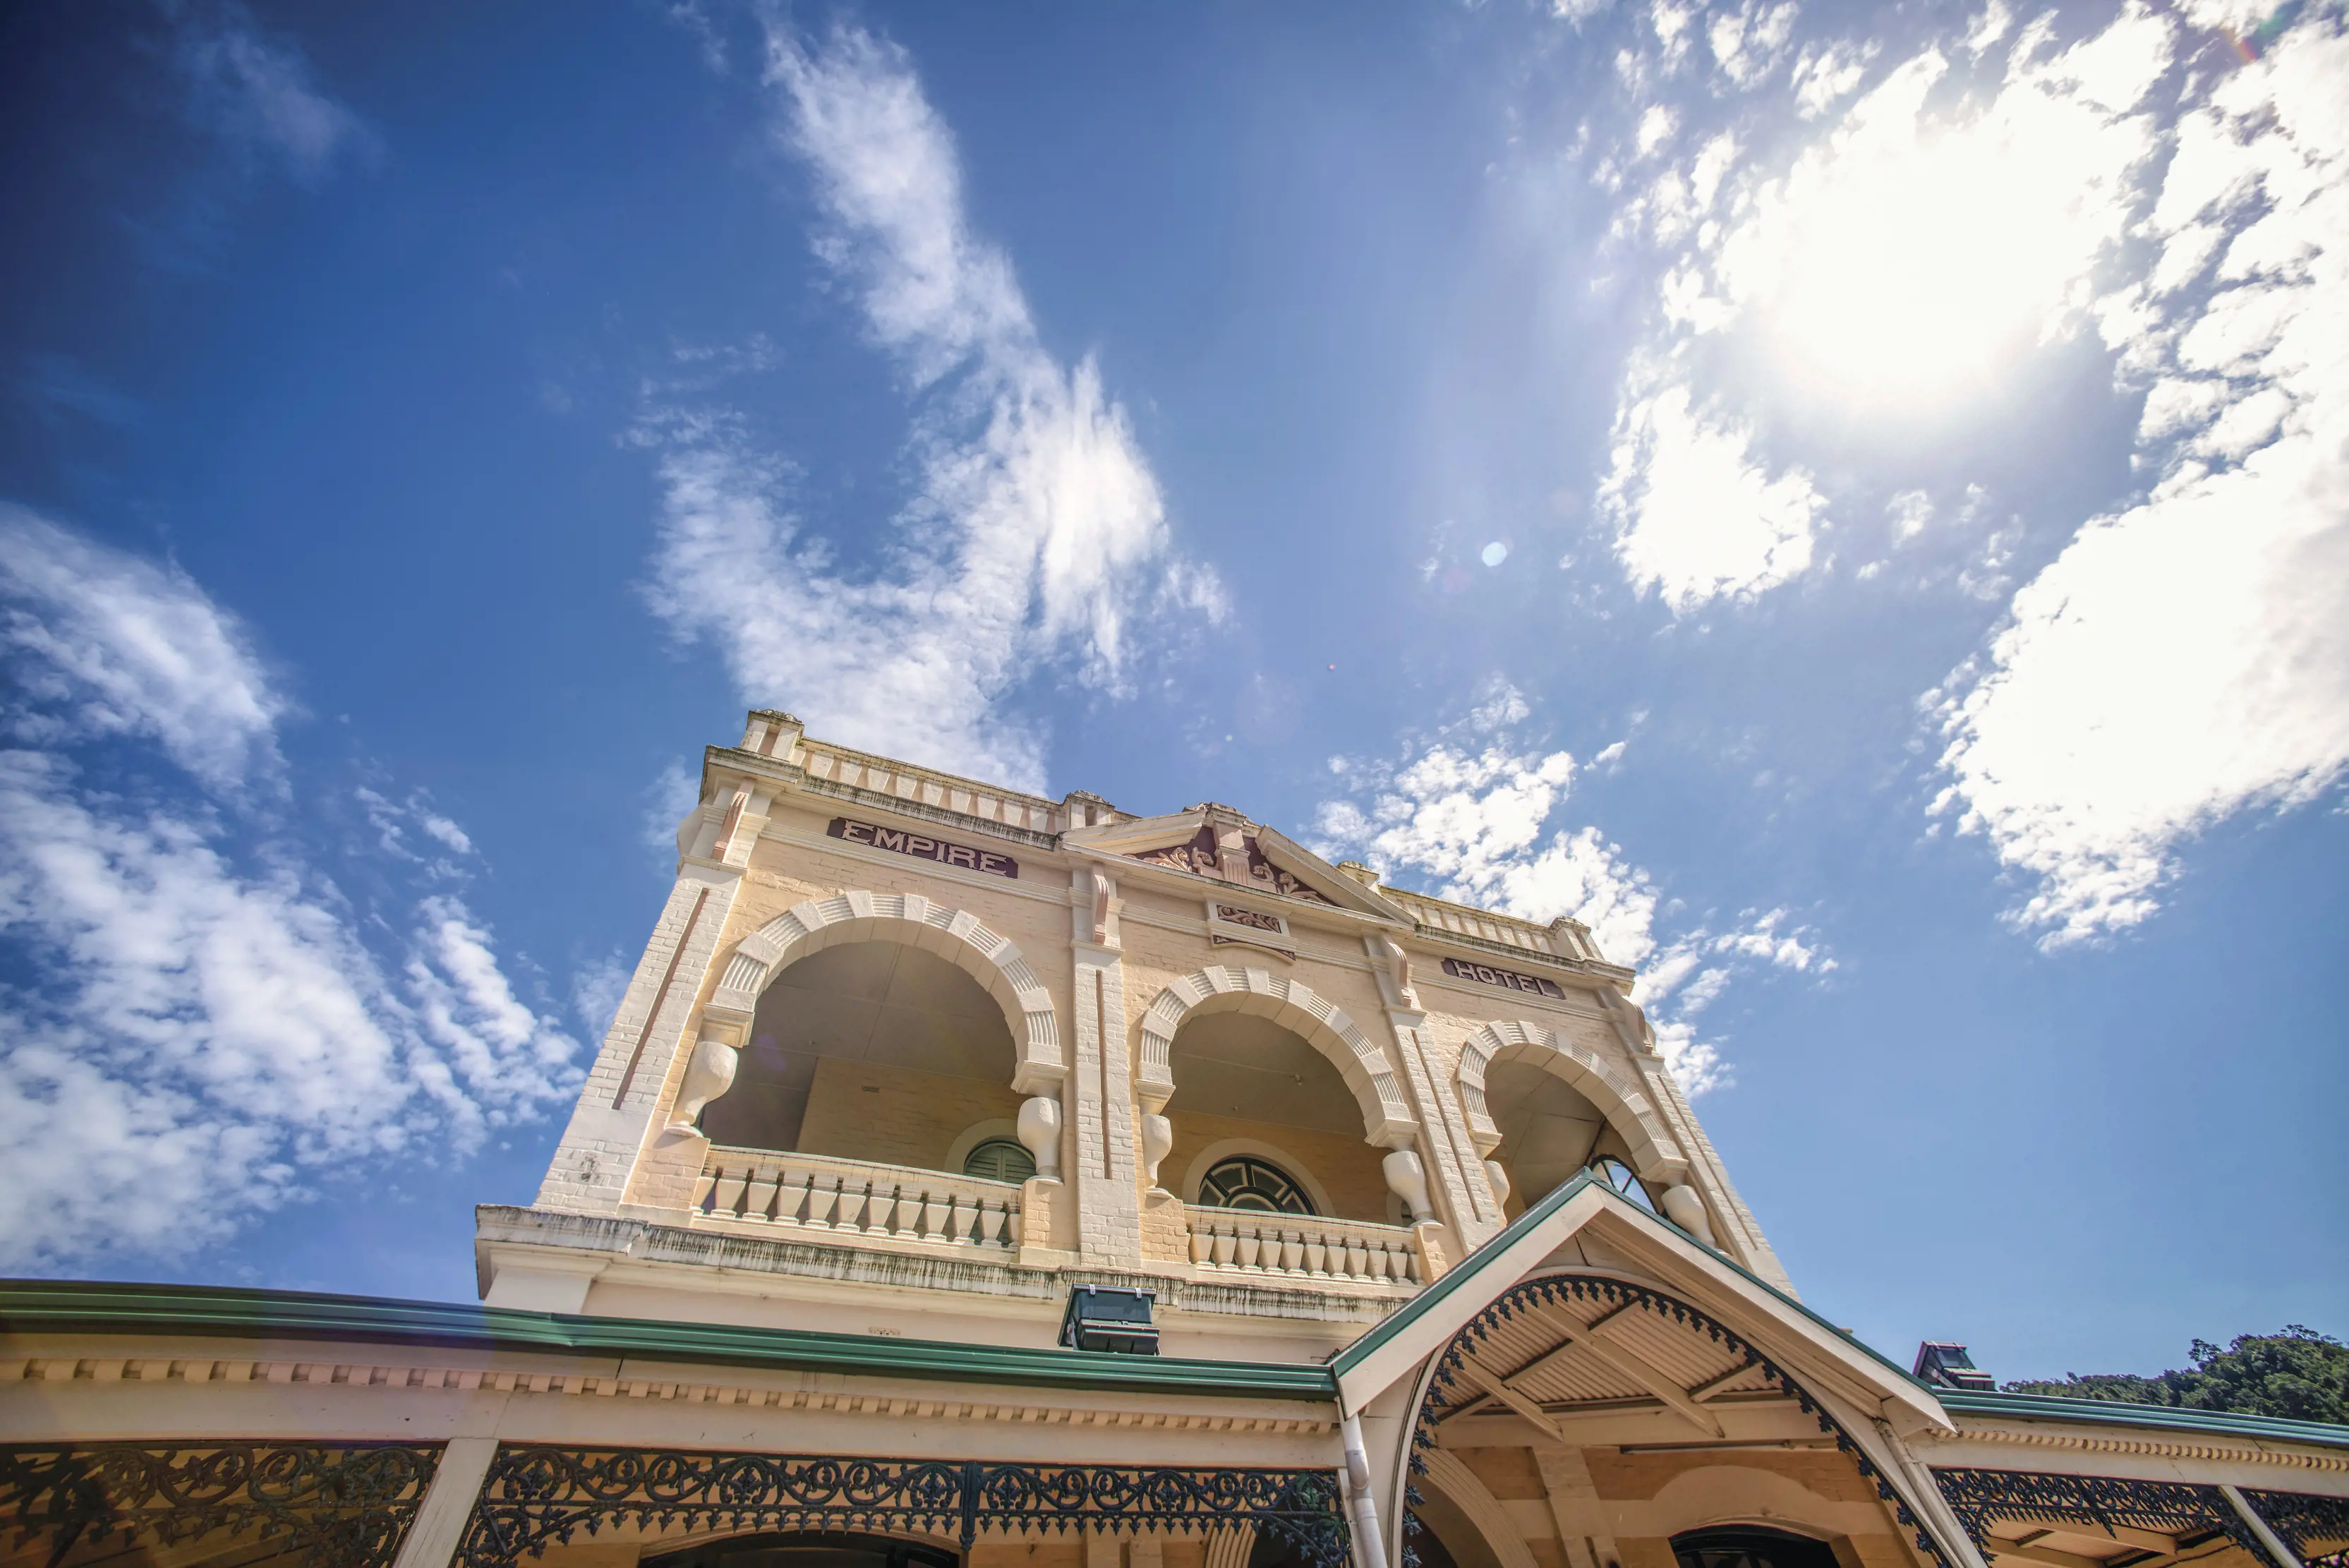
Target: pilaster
<point>1734,1223</point>
<point>1464,1198</point>
<point>614,1115</point>
<point>1107,1178</point>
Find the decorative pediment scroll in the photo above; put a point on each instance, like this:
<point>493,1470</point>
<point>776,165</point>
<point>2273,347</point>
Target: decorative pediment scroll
<point>1201,854</point>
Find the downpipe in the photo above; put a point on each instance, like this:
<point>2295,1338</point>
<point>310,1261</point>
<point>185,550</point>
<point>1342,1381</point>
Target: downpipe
<point>1370,1548</point>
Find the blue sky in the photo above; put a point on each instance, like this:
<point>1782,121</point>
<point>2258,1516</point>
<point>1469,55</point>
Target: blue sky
<point>1852,502</point>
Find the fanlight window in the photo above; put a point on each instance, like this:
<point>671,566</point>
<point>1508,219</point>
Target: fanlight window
<point>999,1160</point>
<point>1619,1176</point>
<point>1248,1182</point>
<point>1750,1546</point>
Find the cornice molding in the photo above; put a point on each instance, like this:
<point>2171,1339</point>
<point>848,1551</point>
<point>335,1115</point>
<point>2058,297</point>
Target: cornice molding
<point>65,1372</point>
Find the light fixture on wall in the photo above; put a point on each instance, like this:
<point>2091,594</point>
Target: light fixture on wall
<point>1104,1317</point>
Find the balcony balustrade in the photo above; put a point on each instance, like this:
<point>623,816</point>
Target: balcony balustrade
<point>1297,1248</point>
<point>817,1195</point>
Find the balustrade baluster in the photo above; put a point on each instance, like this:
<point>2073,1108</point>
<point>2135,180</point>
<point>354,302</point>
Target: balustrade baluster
<point>730,1180</point>
<point>815,1192</point>
<point>1226,1243</point>
<point>790,1197</point>
<point>1292,1250</point>
<point>762,1193</point>
<point>1358,1258</point>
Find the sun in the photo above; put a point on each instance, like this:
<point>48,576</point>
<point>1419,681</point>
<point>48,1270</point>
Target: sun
<point>1910,259</point>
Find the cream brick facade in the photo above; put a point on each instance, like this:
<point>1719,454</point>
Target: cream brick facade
<point>1107,941</point>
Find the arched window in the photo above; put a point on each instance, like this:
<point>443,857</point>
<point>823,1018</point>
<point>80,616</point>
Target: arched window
<point>999,1160</point>
<point>1623,1179</point>
<point>1750,1546</point>
<point>1245,1181</point>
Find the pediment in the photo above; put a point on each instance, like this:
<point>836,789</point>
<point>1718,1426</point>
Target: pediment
<point>1585,1224</point>
<point>1220,845</point>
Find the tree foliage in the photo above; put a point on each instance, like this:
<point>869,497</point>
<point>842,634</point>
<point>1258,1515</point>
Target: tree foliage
<point>2299,1373</point>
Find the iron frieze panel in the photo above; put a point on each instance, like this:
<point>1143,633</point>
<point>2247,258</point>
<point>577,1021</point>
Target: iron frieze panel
<point>2098,1503</point>
<point>537,1496</point>
<point>2317,1528</point>
<point>344,1506</point>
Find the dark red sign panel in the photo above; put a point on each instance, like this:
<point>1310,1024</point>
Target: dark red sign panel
<point>924,847</point>
<point>1464,970</point>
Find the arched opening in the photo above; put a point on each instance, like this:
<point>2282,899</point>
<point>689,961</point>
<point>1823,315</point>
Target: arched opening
<point>872,1051</point>
<point>1750,1546</point>
<point>807,1550</point>
<point>1248,1090</point>
<point>1550,1131</point>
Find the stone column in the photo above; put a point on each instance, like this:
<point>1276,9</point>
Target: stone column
<point>1106,1176</point>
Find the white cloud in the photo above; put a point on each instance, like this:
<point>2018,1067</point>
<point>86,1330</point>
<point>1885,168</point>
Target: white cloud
<point>1696,515</point>
<point>1475,825</point>
<point>1658,123</point>
<point>1749,42</point>
<point>1911,513</point>
<point>1037,533</point>
<point>392,820</point>
<point>2186,658</point>
<point>675,791</point>
<point>596,991</point>
<point>256,92</point>
<point>1827,73</point>
<point>199,1031</point>
<point>114,644</point>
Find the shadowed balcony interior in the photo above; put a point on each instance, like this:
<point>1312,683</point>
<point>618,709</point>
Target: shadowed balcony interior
<point>1246,1088</point>
<point>1549,1132</point>
<point>872,1051</point>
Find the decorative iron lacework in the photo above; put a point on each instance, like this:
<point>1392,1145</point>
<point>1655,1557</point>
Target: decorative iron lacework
<point>345,1506</point>
<point>537,1496</point>
<point>2305,1521</point>
<point>2167,1508</point>
<point>1552,1289</point>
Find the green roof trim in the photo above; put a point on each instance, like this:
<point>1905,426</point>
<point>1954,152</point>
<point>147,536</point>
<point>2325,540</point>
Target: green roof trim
<point>2118,1413</point>
<point>43,1306</point>
<point>1559,1197</point>
<point>1458,1276</point>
